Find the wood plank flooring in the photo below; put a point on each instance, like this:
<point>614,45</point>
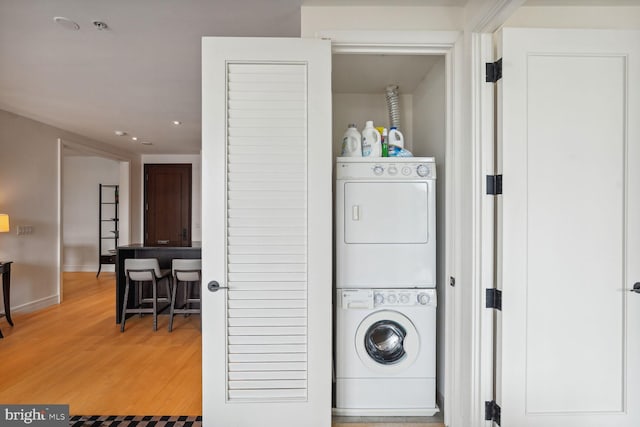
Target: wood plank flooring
<point>74,353</point>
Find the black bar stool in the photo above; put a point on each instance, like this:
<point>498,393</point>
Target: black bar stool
<point>141,271</point>
<point>187,272</point>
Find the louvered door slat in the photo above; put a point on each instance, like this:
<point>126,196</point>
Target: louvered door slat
<point>266,231</point>
<point>268,303</point>
<point>268,357</point>
<point>266,367</point>
<point>268,322</point>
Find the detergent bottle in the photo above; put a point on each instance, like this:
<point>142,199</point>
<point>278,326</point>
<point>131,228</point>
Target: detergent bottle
<point>395,137</point>
<point>371,141</point>
<point>352,142</point>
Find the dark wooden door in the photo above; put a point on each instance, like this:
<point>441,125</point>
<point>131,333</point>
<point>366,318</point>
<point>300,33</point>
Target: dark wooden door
<point>167,193</point>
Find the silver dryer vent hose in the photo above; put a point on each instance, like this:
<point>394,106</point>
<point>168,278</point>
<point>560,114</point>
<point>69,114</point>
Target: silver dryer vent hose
<point>393,105</point>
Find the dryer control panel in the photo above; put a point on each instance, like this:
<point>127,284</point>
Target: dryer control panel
<point>387,168</point>
<point>370,298</point>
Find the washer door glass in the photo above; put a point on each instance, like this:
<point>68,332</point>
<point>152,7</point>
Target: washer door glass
<point>384,342</point>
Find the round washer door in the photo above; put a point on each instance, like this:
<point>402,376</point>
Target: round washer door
<point>387,341</point>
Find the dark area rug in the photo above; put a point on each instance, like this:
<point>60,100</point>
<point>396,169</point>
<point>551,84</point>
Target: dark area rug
<point>133,421</point>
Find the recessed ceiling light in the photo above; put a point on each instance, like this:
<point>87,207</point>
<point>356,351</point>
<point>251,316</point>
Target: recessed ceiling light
<point>120,132</point>
<point>146,143</point>
<point>100,25</point>
<point>134,138</point>
<point>177,122</point>
<point>66,23</point>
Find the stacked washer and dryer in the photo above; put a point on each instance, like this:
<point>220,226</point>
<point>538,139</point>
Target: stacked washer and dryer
<point>385,286</point>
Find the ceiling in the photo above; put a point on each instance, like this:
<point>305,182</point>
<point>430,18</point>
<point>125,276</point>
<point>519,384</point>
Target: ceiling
<point>143,71</point>
<point>137,76</point>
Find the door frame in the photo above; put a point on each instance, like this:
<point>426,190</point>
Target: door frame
<point>450,45</point>
<point>483,145</point>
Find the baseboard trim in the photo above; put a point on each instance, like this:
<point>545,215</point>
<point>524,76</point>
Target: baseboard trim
<point>36,305</point>
<point>87,268</point>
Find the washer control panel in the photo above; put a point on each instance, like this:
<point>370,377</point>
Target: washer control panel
<point>374,298</point>
<point>387,168</point>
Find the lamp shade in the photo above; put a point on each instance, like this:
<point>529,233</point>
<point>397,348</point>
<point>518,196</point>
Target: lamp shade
<point>4,223</point>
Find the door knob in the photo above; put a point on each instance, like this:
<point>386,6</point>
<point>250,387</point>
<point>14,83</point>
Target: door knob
<point>636,288</point>
<point>214,286</point>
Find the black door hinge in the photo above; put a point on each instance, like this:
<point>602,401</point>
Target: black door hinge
<point>494,71</point>
<point>494,299</point>
<point>452,281</point>
<point>494,184</point>
<point>492,412</point>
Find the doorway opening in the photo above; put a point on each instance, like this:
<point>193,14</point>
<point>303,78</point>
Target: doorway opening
<point>81,171</point>
<point>424,74</point>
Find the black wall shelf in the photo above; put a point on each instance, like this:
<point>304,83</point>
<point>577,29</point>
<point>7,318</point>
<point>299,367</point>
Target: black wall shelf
<point>108,222</point>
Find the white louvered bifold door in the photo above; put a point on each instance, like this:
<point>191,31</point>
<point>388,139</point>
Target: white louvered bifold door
<point>267,232</point>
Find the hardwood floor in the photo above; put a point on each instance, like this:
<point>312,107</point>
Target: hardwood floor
<point>74,353</point>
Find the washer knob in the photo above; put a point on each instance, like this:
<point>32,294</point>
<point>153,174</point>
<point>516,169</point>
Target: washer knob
<point>404,298</point>
<point>392,298</point>
<point>378,170</point>
<point>378,299</point>
<point>393,170</point>
<point>406,171</point>
<point>423,298</point>
<point>423,170</point>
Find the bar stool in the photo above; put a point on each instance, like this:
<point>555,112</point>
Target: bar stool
<point>141,271</point>
<point>187,271</point>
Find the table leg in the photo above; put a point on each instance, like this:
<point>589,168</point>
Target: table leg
<point>6,285</point>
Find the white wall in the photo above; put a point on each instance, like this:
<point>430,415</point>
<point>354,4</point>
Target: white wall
<point>80,182</point>
<point>576,17</point>
<point>29,194</point>
<point>325,18</point>
<point>196,188</point>
<point>429,130</point>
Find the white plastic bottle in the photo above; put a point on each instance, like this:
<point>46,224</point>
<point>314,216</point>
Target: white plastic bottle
<point>371,141</point>
<point>395,137</point>
<point>352,142</point>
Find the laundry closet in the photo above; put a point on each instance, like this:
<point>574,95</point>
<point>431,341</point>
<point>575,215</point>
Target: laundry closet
<point>270,209</point>
<point>359,82</point>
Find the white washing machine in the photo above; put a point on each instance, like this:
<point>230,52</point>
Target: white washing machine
<point>386,222</point>
<point>386,352</point>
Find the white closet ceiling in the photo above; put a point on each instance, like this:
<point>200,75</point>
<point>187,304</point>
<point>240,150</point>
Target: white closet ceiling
<point>372,73</point>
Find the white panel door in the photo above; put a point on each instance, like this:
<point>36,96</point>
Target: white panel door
<point>569,235</point>
<point>266,223</point>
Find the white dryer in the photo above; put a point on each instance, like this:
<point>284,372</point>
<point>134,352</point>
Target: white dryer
<point>386,352</point>
<point>386,222</point>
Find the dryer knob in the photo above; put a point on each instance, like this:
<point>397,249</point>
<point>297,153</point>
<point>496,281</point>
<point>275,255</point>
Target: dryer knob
<point>404,298</point>
<point>378,299</point>
<point>392,298</point>
<point>423,299</point>
<point>423,170</point>
<point>378,170</point>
